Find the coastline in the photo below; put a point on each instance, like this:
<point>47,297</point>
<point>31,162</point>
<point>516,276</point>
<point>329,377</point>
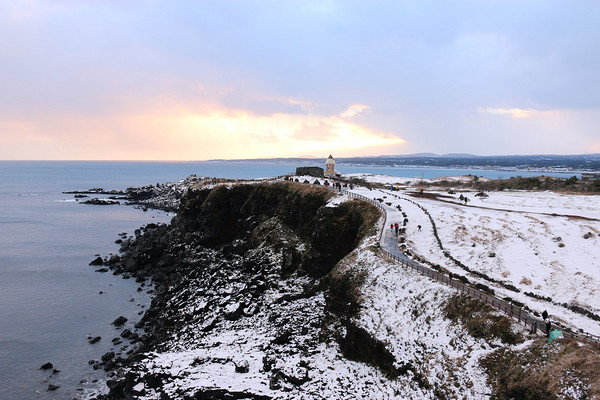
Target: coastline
<point>270,295</point>
<point>145,375</point>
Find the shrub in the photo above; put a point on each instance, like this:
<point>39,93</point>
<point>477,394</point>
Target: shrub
<point>480,319</point>
<point>344,295</point>
<point>511,287</point>
<point>484,288</point>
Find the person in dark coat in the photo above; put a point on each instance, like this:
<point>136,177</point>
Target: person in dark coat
<point>545,315</point>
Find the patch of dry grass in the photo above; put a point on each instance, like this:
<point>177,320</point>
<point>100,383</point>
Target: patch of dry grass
<point>480,320</point>
<point>562,369</point>
<point>525,281</point>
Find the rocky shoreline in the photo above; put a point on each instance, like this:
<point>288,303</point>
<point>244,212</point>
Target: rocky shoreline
<point>236,262</point>
<point>165,196</point>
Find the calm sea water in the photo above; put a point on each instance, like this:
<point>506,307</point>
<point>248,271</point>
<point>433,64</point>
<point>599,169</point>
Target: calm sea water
<point>50,297</point>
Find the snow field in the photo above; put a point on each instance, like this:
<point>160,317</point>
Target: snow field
<point>532,240</point>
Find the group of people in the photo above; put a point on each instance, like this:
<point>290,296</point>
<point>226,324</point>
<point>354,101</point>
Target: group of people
<point>326,183</point>
<point>336,185</point>
<point>396,227</point>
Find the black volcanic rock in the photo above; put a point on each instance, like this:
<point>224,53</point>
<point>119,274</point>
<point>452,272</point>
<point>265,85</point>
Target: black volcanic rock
<point>100,202</point>
<point>97,261</point>
<point>316,172</point>
<point>94,339</point>
<point>220,262</point>
<point>119,321</point>
<point>46,366</point>
<point>108,356</point>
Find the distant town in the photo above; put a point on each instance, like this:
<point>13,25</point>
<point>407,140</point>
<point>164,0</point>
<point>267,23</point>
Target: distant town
<point>545,162</point>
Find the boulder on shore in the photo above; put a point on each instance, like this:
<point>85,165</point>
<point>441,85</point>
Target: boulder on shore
<point>119,321</point>
<point>46,366</point>
<point>97,261</point>
<point>94,339</point>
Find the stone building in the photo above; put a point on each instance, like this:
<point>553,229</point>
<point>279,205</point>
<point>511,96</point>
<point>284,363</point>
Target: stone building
<point>330,167</point>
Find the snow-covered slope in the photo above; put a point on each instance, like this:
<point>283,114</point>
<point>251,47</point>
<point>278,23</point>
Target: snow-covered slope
<point>543,243</point>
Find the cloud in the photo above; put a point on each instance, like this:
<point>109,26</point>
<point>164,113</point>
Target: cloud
<point>19,11</point>
<point>512,112</point>
<point>241,134</point>
<point>184,132</point>
<point>220,79</point>
<point>305,105</point>
<point>353,110</point>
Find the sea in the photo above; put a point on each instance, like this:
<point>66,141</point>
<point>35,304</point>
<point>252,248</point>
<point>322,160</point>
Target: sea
<point>52,300</point>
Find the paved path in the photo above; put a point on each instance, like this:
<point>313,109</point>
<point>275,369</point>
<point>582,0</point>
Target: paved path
<point>389,242</point>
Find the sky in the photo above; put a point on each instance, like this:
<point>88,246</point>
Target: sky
<point>198,80</point>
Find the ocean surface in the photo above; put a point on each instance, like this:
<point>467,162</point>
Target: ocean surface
<point>51,300</point>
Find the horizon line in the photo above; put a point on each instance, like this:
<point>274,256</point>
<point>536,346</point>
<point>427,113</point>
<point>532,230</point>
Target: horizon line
<point>423,154</point>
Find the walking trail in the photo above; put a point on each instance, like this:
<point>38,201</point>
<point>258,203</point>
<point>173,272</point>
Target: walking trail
<point>391,250</point>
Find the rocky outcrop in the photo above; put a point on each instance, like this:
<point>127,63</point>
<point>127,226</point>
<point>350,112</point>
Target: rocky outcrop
<point>101,202</point>
<point>234,254</point>
<point>225,214</point>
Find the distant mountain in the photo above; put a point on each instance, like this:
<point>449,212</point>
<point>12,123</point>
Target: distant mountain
<point>461,155</point>
<point>422,155</point>
<point>416,155</point>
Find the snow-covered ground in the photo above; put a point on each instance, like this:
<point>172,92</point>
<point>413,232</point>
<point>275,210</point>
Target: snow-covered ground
<point>401,308</point>
<point>510,236</point>
<point>404,310</point>
<point>541,242</point>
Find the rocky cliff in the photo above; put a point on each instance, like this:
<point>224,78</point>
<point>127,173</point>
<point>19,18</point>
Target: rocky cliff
<point>239,261</point>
